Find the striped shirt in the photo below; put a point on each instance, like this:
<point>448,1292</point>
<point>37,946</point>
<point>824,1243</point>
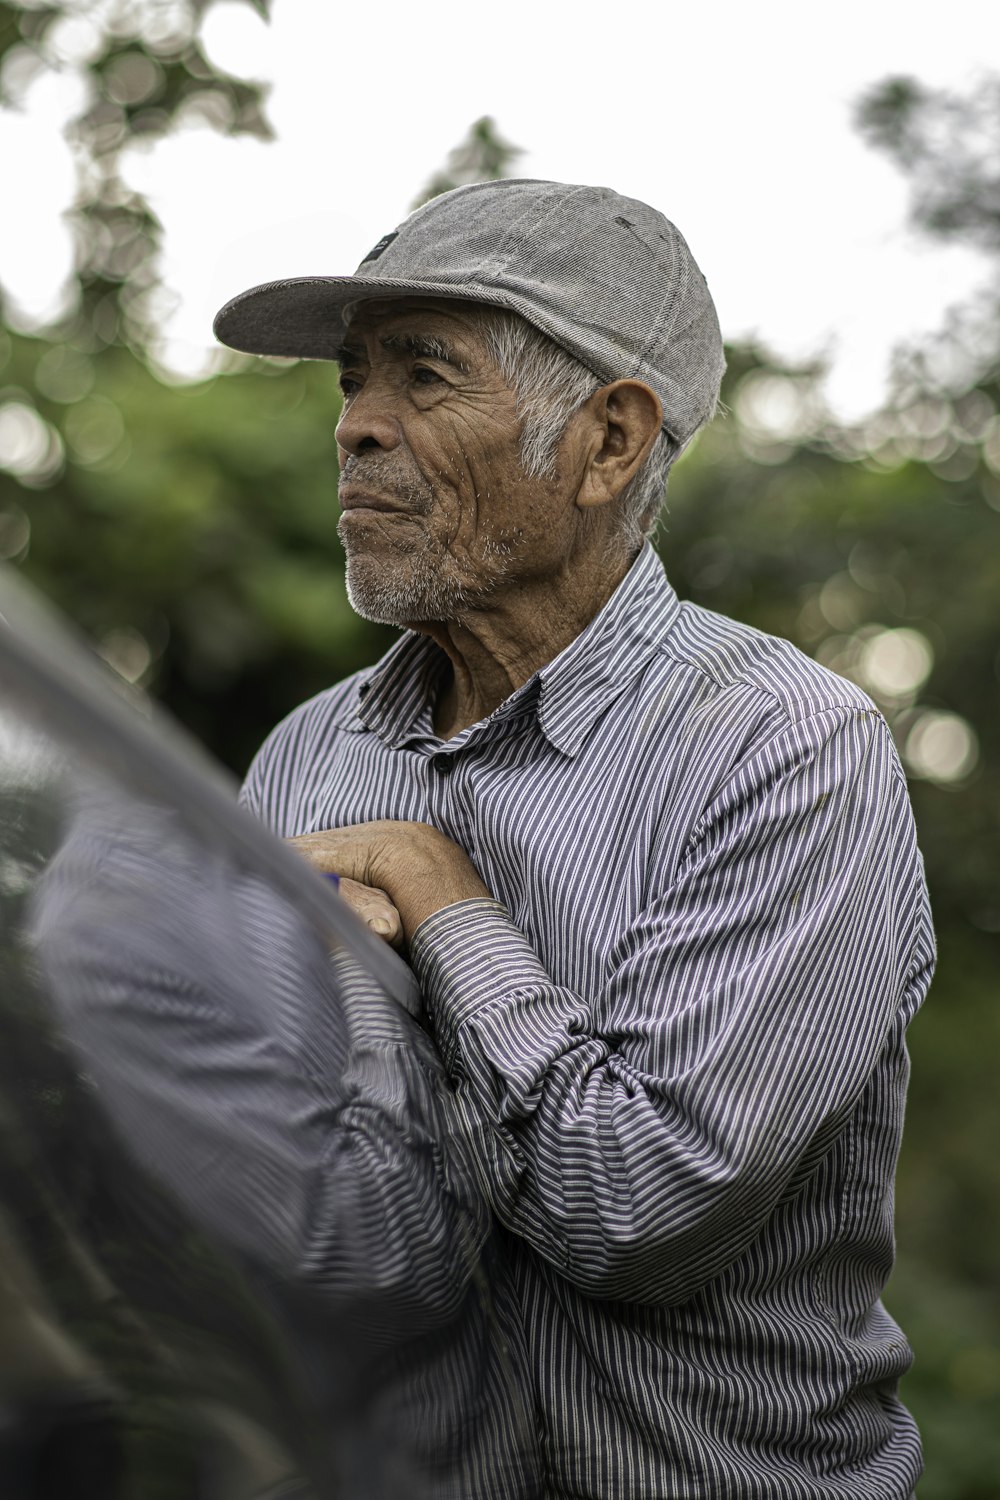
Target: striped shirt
<point>676,1035</point>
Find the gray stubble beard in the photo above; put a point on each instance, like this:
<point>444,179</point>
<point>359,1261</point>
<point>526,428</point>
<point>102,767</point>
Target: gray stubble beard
<point>414,588</point>
<point>407,586</point>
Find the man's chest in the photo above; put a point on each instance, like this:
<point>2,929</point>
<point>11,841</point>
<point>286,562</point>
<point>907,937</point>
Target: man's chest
<point>575,848</point>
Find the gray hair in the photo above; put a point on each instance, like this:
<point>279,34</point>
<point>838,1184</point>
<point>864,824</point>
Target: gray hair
<point>551,385</point>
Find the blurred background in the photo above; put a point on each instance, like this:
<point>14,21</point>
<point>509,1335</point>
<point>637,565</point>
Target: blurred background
<point>841,191</point>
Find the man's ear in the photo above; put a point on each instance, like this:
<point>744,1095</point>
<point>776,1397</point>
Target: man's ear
<point>622,423</point>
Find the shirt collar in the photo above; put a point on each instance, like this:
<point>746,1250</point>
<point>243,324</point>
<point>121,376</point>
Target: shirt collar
<point>569,692</point>
<point>397,694</point>
<point>596,668</point>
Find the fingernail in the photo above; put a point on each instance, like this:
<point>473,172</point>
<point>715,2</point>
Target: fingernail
<point>381,925</point>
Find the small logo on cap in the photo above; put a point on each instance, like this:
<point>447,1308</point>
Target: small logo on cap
<point>381,247</point>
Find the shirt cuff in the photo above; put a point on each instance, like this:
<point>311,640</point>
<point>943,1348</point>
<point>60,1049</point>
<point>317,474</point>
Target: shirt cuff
<point>468,957</point>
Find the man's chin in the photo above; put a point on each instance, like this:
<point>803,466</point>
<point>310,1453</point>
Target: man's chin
<point>399,596</point>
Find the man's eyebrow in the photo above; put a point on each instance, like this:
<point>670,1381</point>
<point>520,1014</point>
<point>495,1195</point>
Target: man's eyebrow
<point>418,345</point>
<point>423,346</point>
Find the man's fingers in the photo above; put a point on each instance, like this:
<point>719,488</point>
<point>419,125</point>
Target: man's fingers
<point>332,851</point>
<point>373,907</point>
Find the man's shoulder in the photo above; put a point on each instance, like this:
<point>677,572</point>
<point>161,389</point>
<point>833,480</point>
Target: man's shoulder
<point>733,656</point>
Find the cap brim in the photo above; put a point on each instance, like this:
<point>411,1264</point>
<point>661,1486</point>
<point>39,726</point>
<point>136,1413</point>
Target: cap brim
<point>304,317</point>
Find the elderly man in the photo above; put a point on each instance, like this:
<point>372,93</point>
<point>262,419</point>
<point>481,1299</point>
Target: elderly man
<point>655,871</point>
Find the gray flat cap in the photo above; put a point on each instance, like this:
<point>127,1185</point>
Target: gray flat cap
<point>608,278</point>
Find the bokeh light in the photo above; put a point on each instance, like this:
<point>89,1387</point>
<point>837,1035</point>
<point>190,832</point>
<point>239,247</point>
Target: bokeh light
<point>132,77</point>
<point>842,602</point>
<point>73,39</point>
<point>15,533</point>
<point>127,652</point>
<point>941,747</point>
<point>94,429</point>
<point>29,447</point>
<point>64,374</point>
<point>991,445</point>
<point>778,408</point>
<point>236,40</point>
<point>896,663</point>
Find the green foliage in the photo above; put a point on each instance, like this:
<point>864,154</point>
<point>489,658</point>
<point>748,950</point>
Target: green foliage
<point>191,534</point>
<point>833,538</point>
<point>830,553</point>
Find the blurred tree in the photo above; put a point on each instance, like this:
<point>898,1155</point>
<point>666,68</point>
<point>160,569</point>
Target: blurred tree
<point>189,529</point>
<point>130,502</point>
<point>946,143</point>
<point>946,396</point>
<point>144,72</point>
<point>877,550</point>
<point>484,156</point>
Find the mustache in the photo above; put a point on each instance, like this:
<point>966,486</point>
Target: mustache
<point>392,474</point>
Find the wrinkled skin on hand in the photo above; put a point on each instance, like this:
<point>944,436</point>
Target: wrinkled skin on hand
<point>393,873</point>
<point>374,908</point>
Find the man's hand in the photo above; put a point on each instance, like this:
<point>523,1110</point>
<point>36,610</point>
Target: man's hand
<point>373,907</point>
<point>411,868</point>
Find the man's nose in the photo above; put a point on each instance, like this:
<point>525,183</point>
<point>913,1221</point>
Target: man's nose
<point>368,422</point>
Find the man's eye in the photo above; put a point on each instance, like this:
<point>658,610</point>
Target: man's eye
<point>424,375</point>
<point>349,386</point>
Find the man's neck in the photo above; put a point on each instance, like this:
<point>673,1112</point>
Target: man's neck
<point>494,649</point>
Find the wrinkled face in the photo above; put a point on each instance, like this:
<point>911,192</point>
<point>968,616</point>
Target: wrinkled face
<point>438,516</point>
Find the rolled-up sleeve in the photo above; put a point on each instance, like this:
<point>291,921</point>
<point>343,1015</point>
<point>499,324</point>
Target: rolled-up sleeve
<point>639,1138</point>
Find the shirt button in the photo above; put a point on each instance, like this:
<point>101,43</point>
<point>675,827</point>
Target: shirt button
<point>443,763</point>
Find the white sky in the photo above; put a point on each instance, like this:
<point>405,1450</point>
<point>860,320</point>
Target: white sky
<point>732,117</point>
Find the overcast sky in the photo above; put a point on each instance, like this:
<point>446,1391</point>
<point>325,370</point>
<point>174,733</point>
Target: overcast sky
<point>733,118</point>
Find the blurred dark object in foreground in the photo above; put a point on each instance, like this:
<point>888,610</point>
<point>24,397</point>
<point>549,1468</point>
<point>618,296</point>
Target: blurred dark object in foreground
<point>243,1253</point>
